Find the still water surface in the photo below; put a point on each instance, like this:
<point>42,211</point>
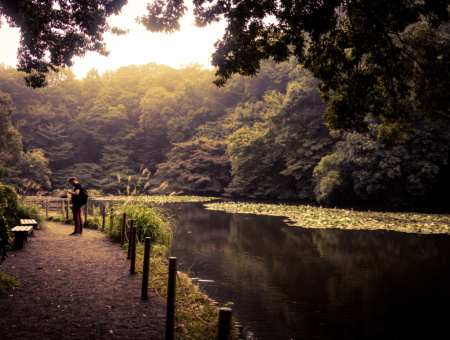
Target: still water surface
<point>293,283</point>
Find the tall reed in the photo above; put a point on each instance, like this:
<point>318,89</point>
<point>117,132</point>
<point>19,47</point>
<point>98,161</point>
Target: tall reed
<point>151,220</point>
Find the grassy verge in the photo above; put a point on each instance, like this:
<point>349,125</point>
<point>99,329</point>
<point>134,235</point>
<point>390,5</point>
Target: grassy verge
<point>188,297</point>
<point>317,217</point>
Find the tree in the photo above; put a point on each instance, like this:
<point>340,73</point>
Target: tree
<point>89,174</point>
<point>61,29</point>
<point>10,139</point>
<point>34,175</point>
<point>196,167</point>
<point>275,158</point>
<point>373,58</point>
<point>368,169</point>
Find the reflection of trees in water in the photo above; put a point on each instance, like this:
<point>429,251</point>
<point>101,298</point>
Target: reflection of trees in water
<point>311,283</point>
<point>380,274</point>
<point>346,274</point>
<point>208,230</point>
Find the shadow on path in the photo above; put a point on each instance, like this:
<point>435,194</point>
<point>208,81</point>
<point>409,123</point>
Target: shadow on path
<point>76,287</point>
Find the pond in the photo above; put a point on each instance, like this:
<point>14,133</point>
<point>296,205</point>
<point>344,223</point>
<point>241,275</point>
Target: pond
<point>294,283</point>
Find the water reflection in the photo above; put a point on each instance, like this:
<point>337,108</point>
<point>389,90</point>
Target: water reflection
<point>293,283</point>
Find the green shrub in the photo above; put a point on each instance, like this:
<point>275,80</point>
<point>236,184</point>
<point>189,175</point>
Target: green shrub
<point>8,203</point>
<point>94,221</point>
<point>4,239</point>
<point>13,209</point>
<point>8,208</point>
<point>29,211</point>
<point>152,221</point>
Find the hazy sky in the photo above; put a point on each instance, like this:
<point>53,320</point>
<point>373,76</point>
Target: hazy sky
<point>139,47</point>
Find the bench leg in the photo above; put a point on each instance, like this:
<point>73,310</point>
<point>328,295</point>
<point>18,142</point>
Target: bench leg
<point>18,240</point>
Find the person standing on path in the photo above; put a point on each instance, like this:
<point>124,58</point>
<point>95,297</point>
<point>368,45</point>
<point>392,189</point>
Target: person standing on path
<point>76,206</point>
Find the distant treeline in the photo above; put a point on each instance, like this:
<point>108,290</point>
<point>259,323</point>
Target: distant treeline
<point>155,129</point>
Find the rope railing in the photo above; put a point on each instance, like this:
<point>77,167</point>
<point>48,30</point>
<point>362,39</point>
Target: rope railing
<point>190,306</point>
<point>156,289</point>
<point>156,265</point>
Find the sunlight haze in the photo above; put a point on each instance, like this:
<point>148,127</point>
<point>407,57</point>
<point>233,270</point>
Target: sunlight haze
<point>139,46</point>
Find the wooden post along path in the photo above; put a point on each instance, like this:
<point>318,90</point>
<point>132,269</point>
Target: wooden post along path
<point>67,208</point>
<point>104,217</point>
<point>133,251</point>
<point>171,290</point>
<point>124,228</point>
<point>111,222</point>
<point>146,268</point>
<point>86,207</point>
<point>129,239</point>
<point>225,314</point>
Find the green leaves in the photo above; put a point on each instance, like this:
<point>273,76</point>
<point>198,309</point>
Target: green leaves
<point>10,139</point>
<point>163,16</point>
<point>385,172</point>
<point>276,158</point>
<point>57,29</point>
<point>318,217</point>
<point>197,167</point>
<point>374,59</point>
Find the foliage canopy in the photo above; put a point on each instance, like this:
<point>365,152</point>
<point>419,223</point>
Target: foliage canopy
<point>374,58</point>
<point>259,137</point>
<point>60,29</point>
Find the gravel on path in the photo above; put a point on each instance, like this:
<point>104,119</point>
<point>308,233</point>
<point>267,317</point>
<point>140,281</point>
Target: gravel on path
<point>76,287</point>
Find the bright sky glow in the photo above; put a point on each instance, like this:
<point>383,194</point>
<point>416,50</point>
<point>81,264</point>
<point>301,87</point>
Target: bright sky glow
<point>138,47</point>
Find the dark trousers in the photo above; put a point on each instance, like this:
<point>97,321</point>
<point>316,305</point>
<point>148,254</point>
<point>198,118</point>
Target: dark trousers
<point>76,209</point>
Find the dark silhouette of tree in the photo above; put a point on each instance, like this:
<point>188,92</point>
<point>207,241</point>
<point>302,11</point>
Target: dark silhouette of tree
<point>59,29</point>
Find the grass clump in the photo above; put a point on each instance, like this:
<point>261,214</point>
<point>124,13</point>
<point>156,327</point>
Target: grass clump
<point>151,221</point>
<point>29,210</point>
<point>7,281</point>
<point>95,219</point>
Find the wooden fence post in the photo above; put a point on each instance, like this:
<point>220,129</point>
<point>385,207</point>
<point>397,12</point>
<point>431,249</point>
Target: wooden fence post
<point>124,228</point>
<point>46,209</point>
<point>67,208</point>
<point>223,333</point>
<point>129,239</point>
<point>146,268</point>
<point>86,207</point>
<point>111,220</point>
<point>133,251</point>
<point>104,217</point>
<point>171,289</point>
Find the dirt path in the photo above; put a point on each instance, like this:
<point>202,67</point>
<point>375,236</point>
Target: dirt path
<point>76,287</point>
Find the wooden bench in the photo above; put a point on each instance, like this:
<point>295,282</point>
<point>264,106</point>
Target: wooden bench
<point>25,222</point>
<point>20,234</point>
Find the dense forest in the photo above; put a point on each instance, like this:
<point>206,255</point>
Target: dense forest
<point>154,129</point>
